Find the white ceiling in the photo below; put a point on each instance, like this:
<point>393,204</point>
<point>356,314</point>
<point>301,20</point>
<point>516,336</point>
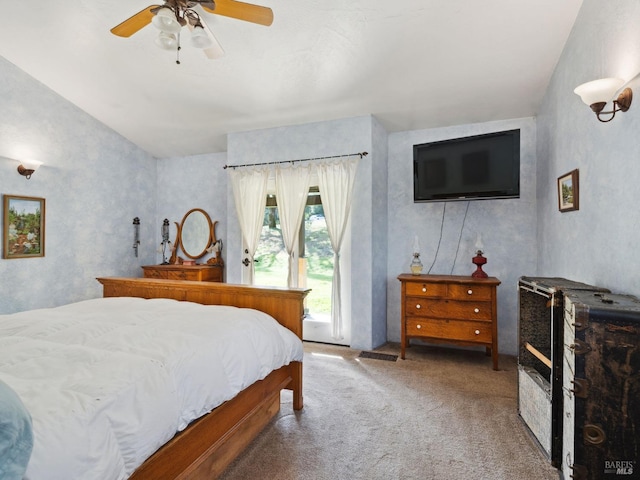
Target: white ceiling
<point>412,63</point>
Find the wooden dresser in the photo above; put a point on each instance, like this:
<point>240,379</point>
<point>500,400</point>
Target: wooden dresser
<point>200,273</point>
<point>453,309</point>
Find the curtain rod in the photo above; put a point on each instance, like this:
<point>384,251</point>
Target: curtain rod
<point>362,154</point>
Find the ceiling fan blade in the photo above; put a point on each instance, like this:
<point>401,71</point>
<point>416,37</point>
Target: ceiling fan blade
<point>215,50</point>
<point>242,11</point>
<point>138,21</point>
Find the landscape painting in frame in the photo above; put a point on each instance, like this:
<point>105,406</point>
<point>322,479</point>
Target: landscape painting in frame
<point>23,232</point>
<point>568,192</point>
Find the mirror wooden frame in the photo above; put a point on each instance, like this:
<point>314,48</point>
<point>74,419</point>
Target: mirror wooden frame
<point>179,241</point>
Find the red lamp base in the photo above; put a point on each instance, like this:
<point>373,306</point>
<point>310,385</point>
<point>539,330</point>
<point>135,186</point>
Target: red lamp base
<point>478,261</point>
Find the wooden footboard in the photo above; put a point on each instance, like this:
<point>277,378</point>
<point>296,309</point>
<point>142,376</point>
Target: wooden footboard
<point>209,445</point>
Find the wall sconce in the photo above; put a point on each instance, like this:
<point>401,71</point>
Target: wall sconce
<point>27,167</point>
<point>597,93</point>
<point>136,235</point>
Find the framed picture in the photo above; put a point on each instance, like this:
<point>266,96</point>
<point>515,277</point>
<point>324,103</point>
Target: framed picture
<point>23,232</point>
<point>568,191</point>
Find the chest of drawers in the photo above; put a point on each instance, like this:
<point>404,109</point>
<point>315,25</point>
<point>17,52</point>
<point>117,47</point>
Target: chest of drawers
<point>451,309</point>
<point>198,273</point>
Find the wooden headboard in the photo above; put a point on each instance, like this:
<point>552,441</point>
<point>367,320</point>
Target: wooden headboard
<point>284,304</point>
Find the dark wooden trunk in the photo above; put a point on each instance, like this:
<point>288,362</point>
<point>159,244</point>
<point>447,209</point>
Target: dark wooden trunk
<point>607,376</point>
<point>541,319</point>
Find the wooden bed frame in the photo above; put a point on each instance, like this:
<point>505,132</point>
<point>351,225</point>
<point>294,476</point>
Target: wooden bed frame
<point>207,446</point>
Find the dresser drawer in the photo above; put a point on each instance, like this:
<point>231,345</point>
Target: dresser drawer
<point>442,308</point>
<point>450,330</point>
<point>182,275</point>
<point>470,292</point>
<point>414,289</point>
<point>153,273</point>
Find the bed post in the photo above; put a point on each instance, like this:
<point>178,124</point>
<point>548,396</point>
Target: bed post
<point>296,385</point>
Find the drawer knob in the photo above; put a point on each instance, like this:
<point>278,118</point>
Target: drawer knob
<point>424,289</point>
<point>477,310</point>
<point>418,326</point>
<point>418,306</point>
<point>477,332</point>
<point>470,292</point>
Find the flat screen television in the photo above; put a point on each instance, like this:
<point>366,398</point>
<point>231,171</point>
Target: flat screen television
<point>470,168</point>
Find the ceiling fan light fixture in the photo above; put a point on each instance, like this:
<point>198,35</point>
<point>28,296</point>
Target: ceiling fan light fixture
<point>167,41</point>
<point>199,38</point>
<point>165,20</point>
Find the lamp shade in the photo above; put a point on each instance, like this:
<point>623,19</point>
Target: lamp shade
<point>31,164</point>
<point>166,21</point>
<point>599,91</point>
<point>167,41</point>
<point>200,39</point>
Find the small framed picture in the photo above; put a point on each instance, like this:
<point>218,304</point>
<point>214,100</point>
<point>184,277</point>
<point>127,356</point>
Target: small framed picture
<point>568,191</point>
<point>23,232</point>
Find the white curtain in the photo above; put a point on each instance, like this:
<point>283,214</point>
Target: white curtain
<point>250,195</point>
<point>335,181</point>
<point>292,188</point>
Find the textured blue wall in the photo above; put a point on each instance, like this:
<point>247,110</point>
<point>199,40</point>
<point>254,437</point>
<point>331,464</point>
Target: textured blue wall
<point>597,244</point>
<point>380,214</point>
<point>507,226</point>
<point>185,183</point>
<point>94,182</point>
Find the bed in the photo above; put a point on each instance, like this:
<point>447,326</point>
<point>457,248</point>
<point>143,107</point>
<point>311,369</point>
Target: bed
<point>198,444</point>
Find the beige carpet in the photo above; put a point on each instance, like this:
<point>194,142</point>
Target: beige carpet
<point>440,414</point>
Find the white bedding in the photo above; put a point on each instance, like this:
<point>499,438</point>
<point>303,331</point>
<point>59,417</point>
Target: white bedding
<point>108,381</point>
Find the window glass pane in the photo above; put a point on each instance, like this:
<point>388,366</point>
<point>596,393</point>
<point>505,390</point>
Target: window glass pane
<point>315,260</point>
<point>318,259</point>
<point>271,256</point>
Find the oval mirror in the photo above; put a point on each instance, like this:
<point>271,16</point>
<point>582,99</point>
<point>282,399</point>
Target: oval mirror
<point>195,233</point>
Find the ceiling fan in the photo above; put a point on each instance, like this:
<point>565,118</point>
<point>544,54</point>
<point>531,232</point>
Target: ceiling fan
<point>170,17</point>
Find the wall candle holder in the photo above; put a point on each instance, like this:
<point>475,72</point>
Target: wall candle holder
<point>136,235</point>
<point>165,240</point>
